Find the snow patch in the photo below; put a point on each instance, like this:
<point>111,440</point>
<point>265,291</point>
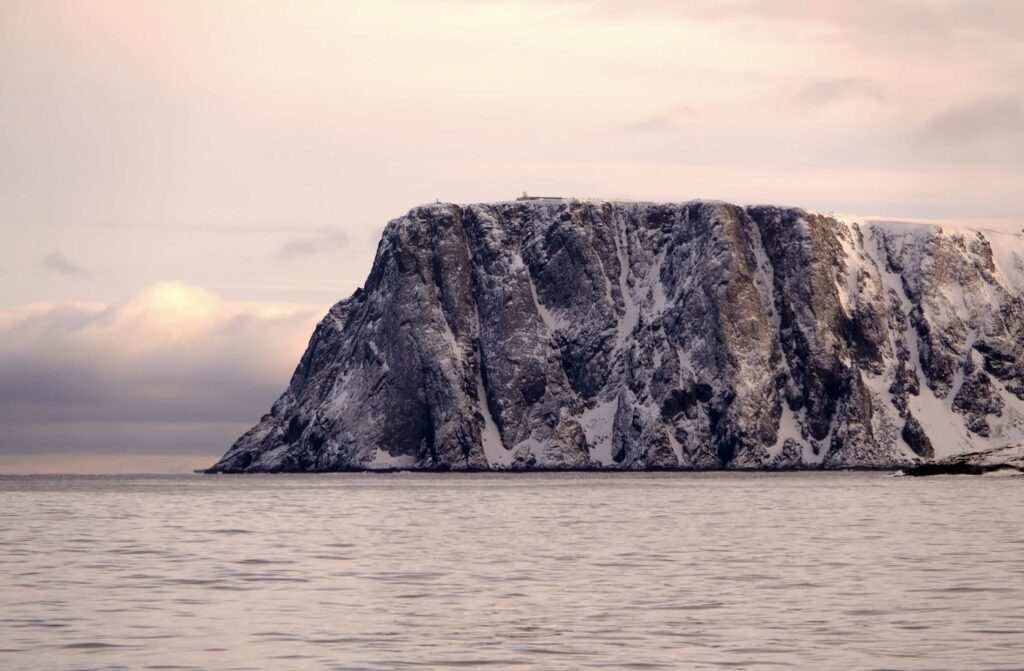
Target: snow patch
<point>382,461</point>
<point>494,449</point>
<point>629,320</point>
<point>789,428</point>
<point>597,424</point>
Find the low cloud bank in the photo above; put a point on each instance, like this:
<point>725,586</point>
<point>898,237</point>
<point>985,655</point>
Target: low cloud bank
<point>175,370</point>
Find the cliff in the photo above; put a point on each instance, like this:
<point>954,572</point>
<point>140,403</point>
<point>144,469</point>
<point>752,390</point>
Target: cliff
<point>583,334</point>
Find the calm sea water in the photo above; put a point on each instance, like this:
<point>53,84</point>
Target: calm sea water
<point>554,571</point>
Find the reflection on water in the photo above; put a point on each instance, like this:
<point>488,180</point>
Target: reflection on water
<point>548,571</point>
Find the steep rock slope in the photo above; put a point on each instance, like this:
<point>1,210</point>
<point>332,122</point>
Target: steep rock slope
<point>591,334</point>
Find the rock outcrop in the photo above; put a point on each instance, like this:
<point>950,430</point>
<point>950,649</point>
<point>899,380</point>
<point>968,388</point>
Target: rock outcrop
<point>568,334</point>
<point>1001,460</point>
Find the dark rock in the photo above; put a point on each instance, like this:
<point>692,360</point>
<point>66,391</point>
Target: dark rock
<point>914,436</point>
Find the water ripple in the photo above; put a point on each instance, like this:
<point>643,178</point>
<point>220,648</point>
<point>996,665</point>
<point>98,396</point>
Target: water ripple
<point>837,571</point>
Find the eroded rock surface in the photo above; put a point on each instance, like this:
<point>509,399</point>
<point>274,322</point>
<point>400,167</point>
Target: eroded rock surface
<point>582,334</point>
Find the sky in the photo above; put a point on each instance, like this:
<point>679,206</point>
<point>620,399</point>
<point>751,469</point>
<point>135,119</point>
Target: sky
<point>186,187</point>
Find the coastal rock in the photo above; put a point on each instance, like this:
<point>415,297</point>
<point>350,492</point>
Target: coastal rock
<point>999,460</point>
<point>555,334</point>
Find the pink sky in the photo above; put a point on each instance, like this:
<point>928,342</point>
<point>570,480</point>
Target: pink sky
<point>249,153</point>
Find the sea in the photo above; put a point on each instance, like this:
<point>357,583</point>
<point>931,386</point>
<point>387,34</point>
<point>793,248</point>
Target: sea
<point>822,571</point>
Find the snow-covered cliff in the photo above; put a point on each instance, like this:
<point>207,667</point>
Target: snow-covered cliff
<point>591,334</point>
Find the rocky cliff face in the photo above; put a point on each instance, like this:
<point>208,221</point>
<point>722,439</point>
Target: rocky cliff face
<point>579,334</point>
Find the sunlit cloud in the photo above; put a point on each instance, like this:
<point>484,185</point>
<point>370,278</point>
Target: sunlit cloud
<point>174,363</point>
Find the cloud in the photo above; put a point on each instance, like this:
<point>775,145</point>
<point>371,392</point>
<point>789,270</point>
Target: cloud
<point>666,121</point>
<point>324,241</point>
<point>175,369</point>
<point>934,23</point>
<point>103,463</point>
<point>652,124</point>
<point>983,119</point>
<point>828,91</point>
<point>61,265</point>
